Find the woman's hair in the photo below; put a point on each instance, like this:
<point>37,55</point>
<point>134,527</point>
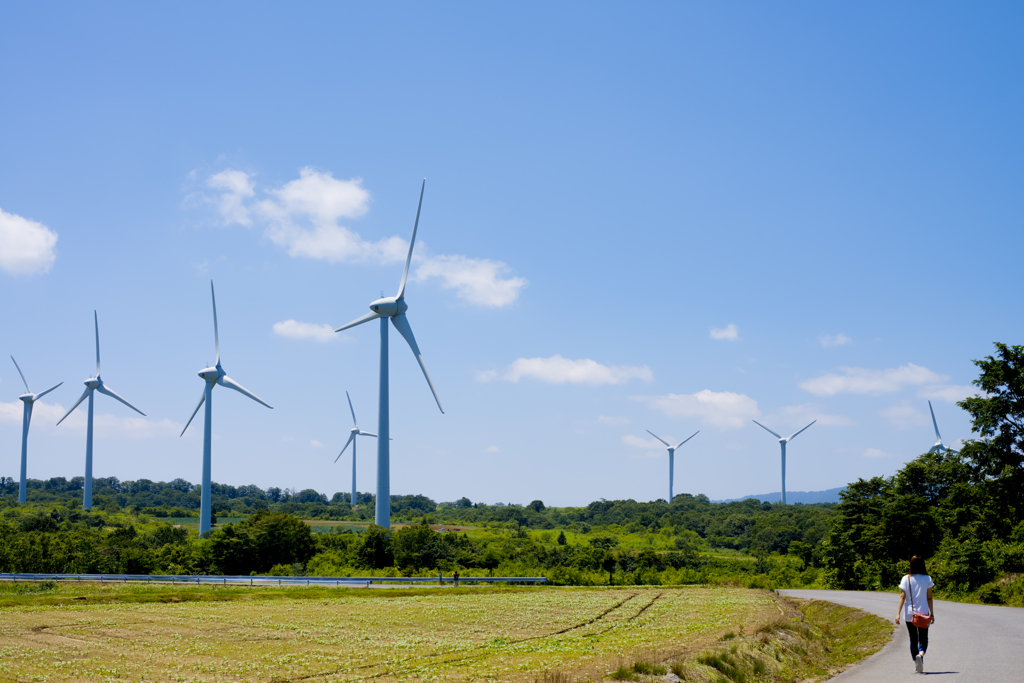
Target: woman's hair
<point>917,565</point>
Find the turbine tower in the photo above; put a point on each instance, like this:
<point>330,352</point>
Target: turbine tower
<point>782,442</point>
<point>393,307</point>
<point>92,385</point>
<point>671,458</point>
<point>352,440</point>
<point>214,375</point>
<point>938,447</point>
<point>28,398</point>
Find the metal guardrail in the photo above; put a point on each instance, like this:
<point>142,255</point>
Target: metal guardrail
<point>350,581</point>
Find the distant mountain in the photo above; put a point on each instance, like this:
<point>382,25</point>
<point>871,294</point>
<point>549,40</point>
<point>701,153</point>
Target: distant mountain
<point>805,497</point>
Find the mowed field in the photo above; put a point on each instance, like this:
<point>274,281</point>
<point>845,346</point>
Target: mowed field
<point>508,634</point>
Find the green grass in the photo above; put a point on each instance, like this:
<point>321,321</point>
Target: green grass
<point>814,640</point>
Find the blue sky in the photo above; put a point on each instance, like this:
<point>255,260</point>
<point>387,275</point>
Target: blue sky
<point>679,217</point>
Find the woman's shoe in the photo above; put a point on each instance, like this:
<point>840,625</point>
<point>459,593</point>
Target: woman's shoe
<point>919,662</point>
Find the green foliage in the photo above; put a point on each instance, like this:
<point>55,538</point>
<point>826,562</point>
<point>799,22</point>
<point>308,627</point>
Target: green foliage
<point>260,542</point>
<point>375,551</point>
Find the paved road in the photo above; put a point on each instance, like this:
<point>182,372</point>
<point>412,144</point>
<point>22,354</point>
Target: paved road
<point>977,643</point>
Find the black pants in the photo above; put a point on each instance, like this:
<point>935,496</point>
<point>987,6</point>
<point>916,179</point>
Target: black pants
<point>918,638</point>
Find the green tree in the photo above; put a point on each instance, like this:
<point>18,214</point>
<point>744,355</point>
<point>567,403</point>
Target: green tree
<point>608,563</point>
<point>561,538</point>
<point>415,546</point>
<point>375,551</point>
<point>260,542</point>
<point>998,418</point>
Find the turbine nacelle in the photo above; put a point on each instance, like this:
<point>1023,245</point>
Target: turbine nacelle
<point>94,382</point>
<point>211,374</point>
<point>389,306</point>
<point>27,398</point>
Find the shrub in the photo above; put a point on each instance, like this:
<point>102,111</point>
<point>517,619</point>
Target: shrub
<point>990,594</point>
<point>757,581</point>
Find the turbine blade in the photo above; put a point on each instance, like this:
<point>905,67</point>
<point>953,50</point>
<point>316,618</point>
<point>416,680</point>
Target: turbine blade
<point>936,424</point>
<point>77,403</point>
<point>412,243</point>
<point>104,389</point>
<point>39,396</point>
<point>768,430</point>
<point>26,381</point>
<point>350,438</point>
<point>354,422</point>
<point>794,436</point>
<point>362,433</point>
<point>226,381</point>
<point>216,332</point>
<point>198,406</point>
<point>401,323</point>
<point>691,436</point>
<point>96,320</point>
<point>659,438</point>
<point>359,321</point>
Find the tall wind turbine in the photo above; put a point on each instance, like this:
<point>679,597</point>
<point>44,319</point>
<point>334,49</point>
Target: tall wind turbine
<point>938,447</point>
<point>671,458</point>
<point>214,375</point>
<point>393,307</point>
<point>94,384</point>
<point>782,442</point>
<point>352,440</point>
<point>28,398</point>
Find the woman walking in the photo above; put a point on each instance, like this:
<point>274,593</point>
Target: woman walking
<point>916,599</point>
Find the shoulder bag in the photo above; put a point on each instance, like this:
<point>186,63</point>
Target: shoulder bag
<point>919,620</point>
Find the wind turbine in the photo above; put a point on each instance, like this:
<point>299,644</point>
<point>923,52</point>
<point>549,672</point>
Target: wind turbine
<point>393,307</point>
<point>94,384</point>
<point>352,440</point>
<point>938,447</point>
<point>214,375</point>
<point>28,398</point>
<point>782,442</point>
<point>671,458</point>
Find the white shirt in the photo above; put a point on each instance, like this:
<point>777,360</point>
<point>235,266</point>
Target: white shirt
<point>919,585</point>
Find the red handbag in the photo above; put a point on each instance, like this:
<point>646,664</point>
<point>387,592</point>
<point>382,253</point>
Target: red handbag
<point>919,620</point>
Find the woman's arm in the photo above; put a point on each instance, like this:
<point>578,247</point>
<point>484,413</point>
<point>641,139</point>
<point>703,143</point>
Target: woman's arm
<point>899,612</point>
<point>931,607</point>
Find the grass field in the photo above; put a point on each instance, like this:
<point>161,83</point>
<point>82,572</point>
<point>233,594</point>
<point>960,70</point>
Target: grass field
<point>509,634</point>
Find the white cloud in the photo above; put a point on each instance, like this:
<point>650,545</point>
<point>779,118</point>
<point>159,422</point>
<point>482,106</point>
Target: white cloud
<point>302,217</point>
<point>293,329</point>
<point>864,381</point>
<point>806,412</point>
<point>640,442</point>
<point>316,444</point>
<point>722,409</point>
<point>26,247</point>
<point>727,333</point>
<point>840,339</point>
<point>949,392</point>
<point>875,453</point>
<point>614,420</point>
<point>903,415</point>
<point>235,188</point>
<point>478,281</point>
<point>492,449</point>
<point>558,370</point>
<point>45,416</point>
